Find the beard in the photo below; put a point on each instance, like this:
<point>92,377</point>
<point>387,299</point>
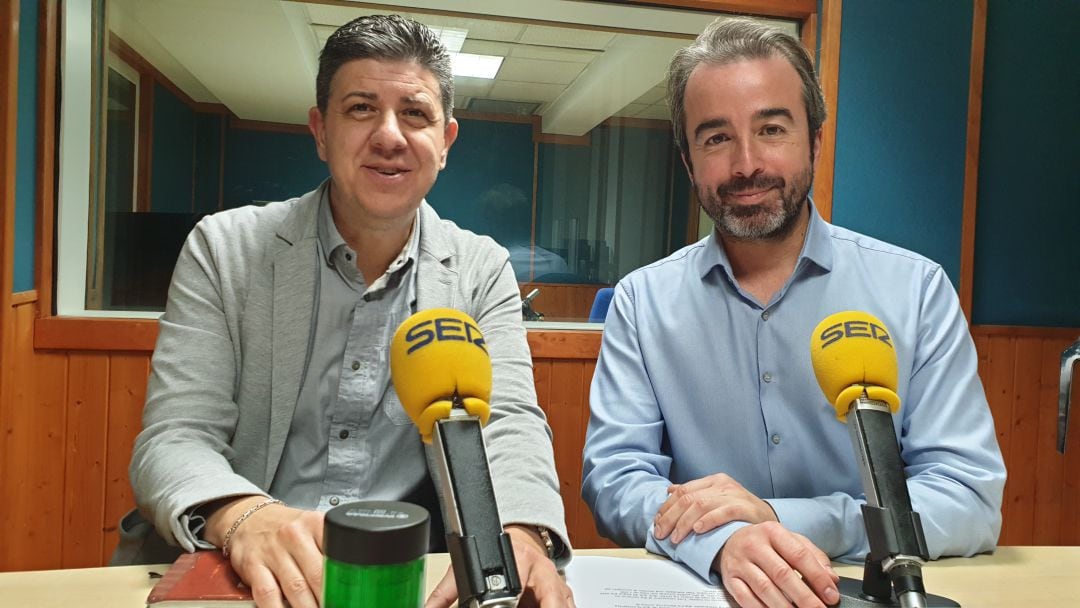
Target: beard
<point>762,221</point>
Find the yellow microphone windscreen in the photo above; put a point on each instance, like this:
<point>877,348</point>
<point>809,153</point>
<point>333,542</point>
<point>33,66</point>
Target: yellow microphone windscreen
<point>434,355</point>
<point>852,351</point>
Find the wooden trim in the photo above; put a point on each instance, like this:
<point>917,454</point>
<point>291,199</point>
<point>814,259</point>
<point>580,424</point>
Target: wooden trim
<point>48,46</point>
<point>565,343</point>
<point>562,140</point>
<point>971,156</point>
<point>637,123</point>
<point>360,4</point>
<point>829,70</point>
<point>808,35</point>
<point>261,125</point>
<point>24,297</point>
<point>791,9</point>
<point>9,100</point>
<point>145,135</point>
<point>86,333</point>
<point>206,107</point>
<point>1023,331</point>
<point>496,117</point>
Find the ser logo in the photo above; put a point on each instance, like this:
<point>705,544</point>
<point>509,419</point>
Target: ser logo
<point>854,329</point>
<point>443,329</point>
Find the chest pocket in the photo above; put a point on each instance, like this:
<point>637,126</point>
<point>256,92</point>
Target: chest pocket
<point>393,409</point>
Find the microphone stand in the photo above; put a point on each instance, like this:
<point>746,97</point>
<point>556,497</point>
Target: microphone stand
<point>480,550</point>
<point>892,573</point>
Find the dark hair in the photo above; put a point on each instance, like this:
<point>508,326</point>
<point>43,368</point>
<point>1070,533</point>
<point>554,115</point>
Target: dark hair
<point>730,39</point>
<point>385,37</point>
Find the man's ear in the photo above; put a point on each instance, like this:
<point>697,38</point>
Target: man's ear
<point>317,126</point>
<point>449,136</point>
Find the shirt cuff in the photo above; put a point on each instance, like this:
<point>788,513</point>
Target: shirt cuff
<point>696,551</point>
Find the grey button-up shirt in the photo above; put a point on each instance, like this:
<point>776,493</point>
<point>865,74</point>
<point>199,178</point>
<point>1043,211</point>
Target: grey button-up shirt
<point>350,439</point>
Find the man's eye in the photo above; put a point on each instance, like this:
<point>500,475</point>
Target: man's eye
<point>415,113</point>
<point>360,107</point>
<point>716,139</point>
<point>773,130</point>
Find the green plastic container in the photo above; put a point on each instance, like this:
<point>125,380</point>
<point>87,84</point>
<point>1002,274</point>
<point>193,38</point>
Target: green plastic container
<point>375,555</point>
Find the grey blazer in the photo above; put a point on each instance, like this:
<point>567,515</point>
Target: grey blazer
<point>231,354</point>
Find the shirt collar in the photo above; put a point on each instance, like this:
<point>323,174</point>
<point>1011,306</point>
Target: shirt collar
<point>816,248</point>
<point>336,252</point>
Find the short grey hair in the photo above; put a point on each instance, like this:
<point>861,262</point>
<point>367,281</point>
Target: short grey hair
<point>385,37</point>
<point>730,39</point>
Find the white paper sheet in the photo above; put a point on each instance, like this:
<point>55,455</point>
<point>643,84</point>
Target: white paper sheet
<point>615,582</point>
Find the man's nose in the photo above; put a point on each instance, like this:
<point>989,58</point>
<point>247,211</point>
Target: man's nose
<point>746,161</point>
<point>388,136</point>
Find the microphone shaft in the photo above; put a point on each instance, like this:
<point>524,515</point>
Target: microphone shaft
<point>480,551</point>
<point>894,530</point>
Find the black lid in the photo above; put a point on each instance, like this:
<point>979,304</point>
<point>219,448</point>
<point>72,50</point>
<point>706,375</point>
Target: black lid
<point>376,532</point>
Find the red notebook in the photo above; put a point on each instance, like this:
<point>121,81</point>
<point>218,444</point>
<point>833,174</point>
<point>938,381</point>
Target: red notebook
<point>204,579</point>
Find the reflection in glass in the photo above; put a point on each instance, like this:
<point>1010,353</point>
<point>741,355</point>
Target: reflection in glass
<point>564,154</point>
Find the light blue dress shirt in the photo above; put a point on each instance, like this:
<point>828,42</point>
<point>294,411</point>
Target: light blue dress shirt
<point>695,378</point>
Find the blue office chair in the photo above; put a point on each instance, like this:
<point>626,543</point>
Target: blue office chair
<point>600,304</point>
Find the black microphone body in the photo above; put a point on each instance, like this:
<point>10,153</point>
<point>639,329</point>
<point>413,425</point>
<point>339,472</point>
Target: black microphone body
<point>894,530</point>
<point>480,550</point>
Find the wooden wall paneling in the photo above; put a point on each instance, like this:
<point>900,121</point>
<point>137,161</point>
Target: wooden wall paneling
<point>127,393</point>
<point>33,448</point>
<point>542,380</point>
<point>563,413</point>
<point>588,536</point>
<point>1049,464</point>
<point>86,447</point>
<point>999,392</point>
<point>562,302</point>
<point>1023,440</point>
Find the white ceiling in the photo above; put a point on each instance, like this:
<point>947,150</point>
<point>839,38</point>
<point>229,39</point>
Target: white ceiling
<point>259,57</point>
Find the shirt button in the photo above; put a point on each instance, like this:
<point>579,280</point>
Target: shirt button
<point>344,434</point>
<point>355,365</point>
<point>765,315</point>
<point>334,500</point>
<point>767,377</point>
<point>776,439</point>
<point>348,256</point>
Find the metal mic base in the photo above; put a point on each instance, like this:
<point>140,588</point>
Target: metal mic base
<point>851,596</point>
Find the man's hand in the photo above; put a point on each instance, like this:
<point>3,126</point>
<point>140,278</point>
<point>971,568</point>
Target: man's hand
<point>277,551</point>
<point>707,503</point>
<point>767,565</point>
<point>542,584</point>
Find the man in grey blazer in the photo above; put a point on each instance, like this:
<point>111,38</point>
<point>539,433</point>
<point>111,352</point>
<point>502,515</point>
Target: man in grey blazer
<point>270,401</point>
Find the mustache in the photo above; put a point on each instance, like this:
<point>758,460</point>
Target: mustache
<point>750,184</point>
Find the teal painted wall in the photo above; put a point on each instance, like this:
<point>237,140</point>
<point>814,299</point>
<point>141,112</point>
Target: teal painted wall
<point>26,149</point>
<point>1027,244</point>
<point>171,181</point>
<point>269,166</point>
<point>207,162</point>
<point>901,124</point>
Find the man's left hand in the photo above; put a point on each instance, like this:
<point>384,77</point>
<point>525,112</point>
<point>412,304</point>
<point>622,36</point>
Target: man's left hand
<point>707,503</point>
<point>542,584</point>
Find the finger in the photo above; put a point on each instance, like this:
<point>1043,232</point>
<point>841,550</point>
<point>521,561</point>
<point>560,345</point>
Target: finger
<point>807,559</point>
<point>293,584</point>
<point>761,586</point>
<point>720,516</point>
<point>741,593</point>
<point>444,593</point>
<point>798,572</point>
<point>717,480</point>
<point>677,506</point>
<point>264,587</point>
<point>299,540</point>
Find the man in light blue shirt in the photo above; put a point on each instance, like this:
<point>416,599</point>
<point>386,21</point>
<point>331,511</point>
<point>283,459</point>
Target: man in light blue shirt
<point>710,441</point>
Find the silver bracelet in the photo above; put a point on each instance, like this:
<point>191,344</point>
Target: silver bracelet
<point>239,520</point>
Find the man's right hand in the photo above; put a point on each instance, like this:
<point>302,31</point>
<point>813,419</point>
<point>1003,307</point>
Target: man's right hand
<point>767,565</point>
<point>277,551</point>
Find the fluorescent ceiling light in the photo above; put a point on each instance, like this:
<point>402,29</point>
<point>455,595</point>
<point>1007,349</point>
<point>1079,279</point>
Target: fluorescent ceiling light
<point>476,66</point>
